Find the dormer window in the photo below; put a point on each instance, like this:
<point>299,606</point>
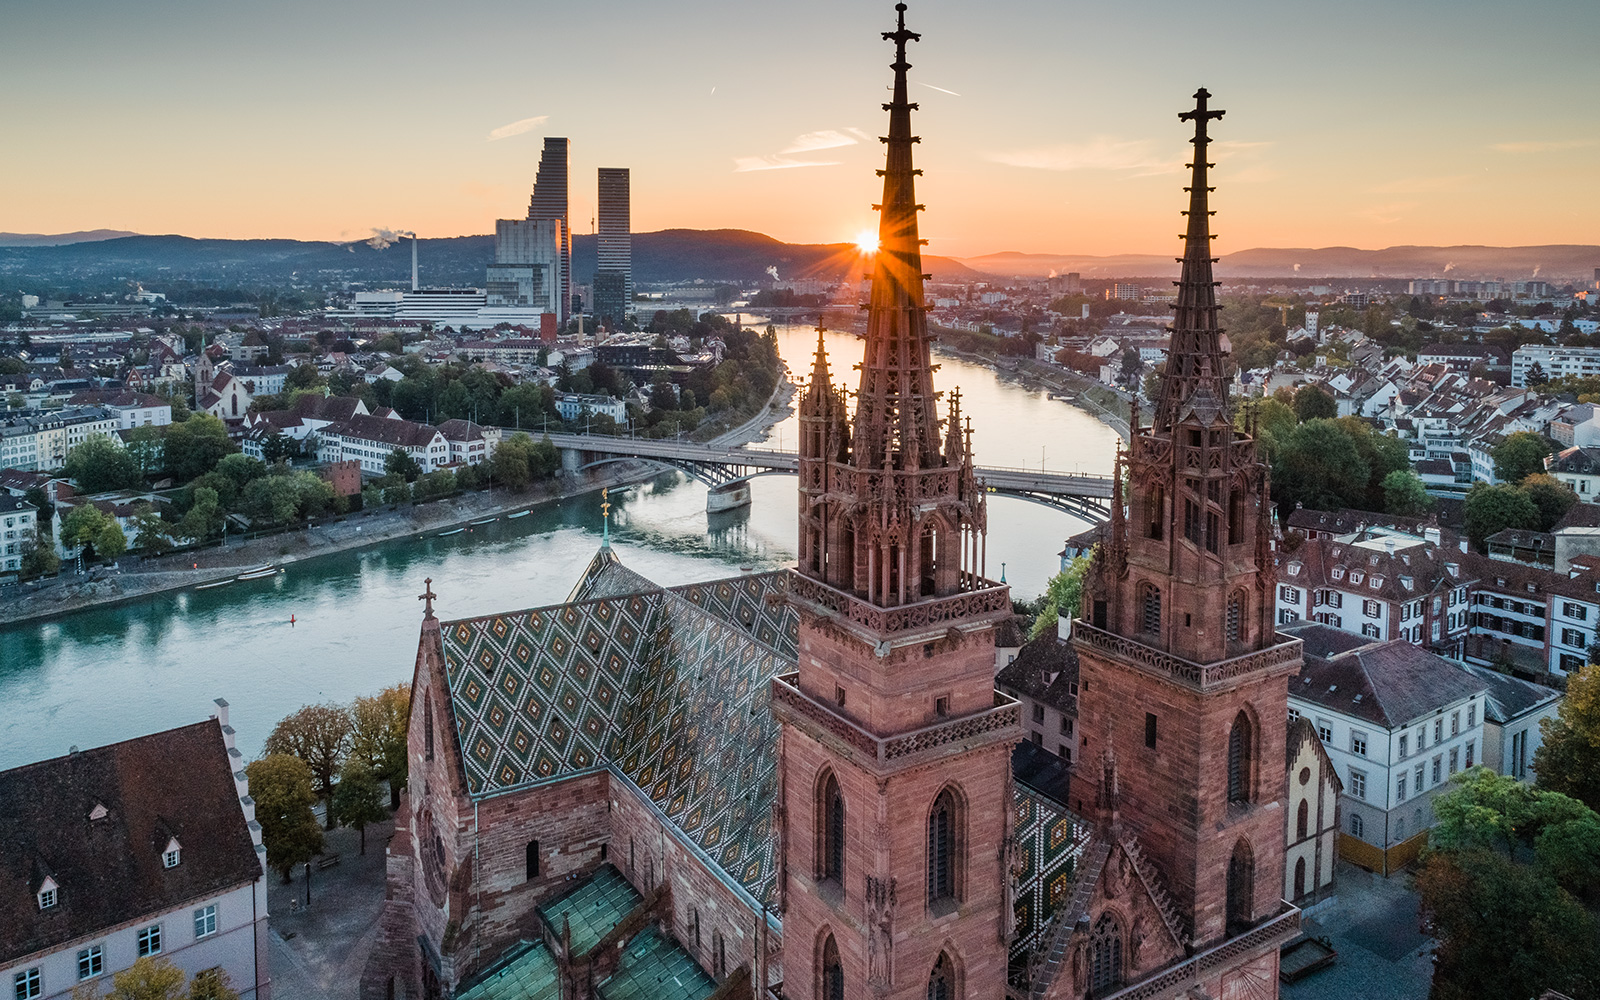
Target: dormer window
<point>1356,576</point>
<point>98,813</point>
<point>47,894</point>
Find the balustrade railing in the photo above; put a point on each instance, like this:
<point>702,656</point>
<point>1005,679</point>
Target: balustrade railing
<point>980,599</point>
<point>1005,718</point>
<point>1201,675</point>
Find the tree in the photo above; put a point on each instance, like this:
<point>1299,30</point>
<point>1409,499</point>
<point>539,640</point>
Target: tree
<point>204,518</point>
<point>83,525</point>
<point>152,535</point>
<point>146,445</point>
<point>280,783</point>
<point>1519,456</point>
<point>378,735</point>
<point>1536,375</point>
<point>148,979</point>
<point>271,500</point>
<point>1551,496</point>
<point>241,469</point>
<point>195,446</point>
<point>212,984</point>
<point>320,736</point>
<point>1504,930</point>
<point>39,500</point>
<point>100,465</point>
<point>400,463</point>
<point>510,464</point>
<point>1061,596</point>
<point>357,799</point>
<point>38,557</point>
<point>1317,465</point>
<point>1568,759</point>
<point>1312,402</point>
<point>1405,495</point>
<point>1494,508</point>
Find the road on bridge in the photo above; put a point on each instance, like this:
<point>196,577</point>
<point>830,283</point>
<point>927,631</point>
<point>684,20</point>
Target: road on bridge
<point>1078,493</point>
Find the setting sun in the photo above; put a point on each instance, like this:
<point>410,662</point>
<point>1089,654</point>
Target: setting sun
<point>867,241</point>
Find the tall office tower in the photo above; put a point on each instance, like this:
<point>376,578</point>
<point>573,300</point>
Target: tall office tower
<point>613,300</point>
<point>526,272</point>
<point>549,201</point>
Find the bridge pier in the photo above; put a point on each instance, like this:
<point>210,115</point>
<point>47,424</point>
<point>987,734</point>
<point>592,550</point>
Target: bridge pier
<point>728,496</point>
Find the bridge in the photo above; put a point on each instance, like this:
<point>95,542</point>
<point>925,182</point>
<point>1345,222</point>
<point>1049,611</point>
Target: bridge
<point>1087,496</point>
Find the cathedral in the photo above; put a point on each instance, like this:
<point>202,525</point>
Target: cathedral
<point>803,784</point>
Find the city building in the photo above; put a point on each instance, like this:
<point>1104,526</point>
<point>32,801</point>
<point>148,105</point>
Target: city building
<point>576,406</point>
<point>1397,722</point>
<point>133,409</point>
<point>18,521</point>
<point>370,440</point>
<point>1043,677</point>
<point>148,847</point>
<point>613,281</point>
<point>1512,713</point>
<point>1311,821</point>
<point>1553,362</point>
<point>35,441</point>
<point>549,202</point>
<point>525,278</point>
<point>470,443</point>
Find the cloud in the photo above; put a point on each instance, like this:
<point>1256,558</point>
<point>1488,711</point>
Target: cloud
<point>1385,215</point>
<point>1543,147</point>
<point>1137,157</point>
<point>747,164</point>
<point>517,127</point>
<point>812,141</point>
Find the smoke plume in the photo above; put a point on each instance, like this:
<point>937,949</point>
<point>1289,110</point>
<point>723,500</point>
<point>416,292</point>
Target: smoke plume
<point>1450,266</point>
<point>382,239</point>
<point>773,270</point>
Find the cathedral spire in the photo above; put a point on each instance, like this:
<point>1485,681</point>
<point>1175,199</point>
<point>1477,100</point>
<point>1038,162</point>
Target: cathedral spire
<point>895,418</point>
<point>1195,357</point>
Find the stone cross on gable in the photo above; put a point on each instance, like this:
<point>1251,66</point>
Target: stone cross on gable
<point>1200,115</point>
<point>427,597</point>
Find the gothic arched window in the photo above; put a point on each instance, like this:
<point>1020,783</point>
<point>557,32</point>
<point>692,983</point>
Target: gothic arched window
<point>1302,819</point>
<point>1105,956</point>
<point>533,860</point>
<point>942,980</point>
<point>1234,626</point>
<point>1150,602</point>
<point>1299,877</point>
<point>1241,887</point>
<point>1156,512</point>
<point>831,984</point>
<point>1241,740</point>
<point>830,834</point>
<point>944,845</point>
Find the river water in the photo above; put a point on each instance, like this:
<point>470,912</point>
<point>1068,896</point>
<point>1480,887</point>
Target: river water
<point>111,673</point>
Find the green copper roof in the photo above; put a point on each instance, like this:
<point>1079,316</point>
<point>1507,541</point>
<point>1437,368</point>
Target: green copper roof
<point>526,972</point>
<point>592,909</point>
<point>653,968</point>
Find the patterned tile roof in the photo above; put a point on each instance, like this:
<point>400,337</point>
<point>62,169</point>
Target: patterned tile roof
<point>653,968</point>
<point>527,971</point>
<point>1050,843</point>
<point>668,686</point>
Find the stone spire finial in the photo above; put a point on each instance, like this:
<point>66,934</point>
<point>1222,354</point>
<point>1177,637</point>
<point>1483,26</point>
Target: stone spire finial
<point>605,517</point>
<point>427,597</point>
<point>1194,357</point>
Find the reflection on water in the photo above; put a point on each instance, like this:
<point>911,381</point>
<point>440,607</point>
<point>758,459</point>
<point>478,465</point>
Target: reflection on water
<point>111,673</point>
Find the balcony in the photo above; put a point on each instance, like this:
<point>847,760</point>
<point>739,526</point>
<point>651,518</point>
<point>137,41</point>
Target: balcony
<point>1175,981</point>
<point>1002,722</point>
<point>1203,676</point>
<point>980,600</point>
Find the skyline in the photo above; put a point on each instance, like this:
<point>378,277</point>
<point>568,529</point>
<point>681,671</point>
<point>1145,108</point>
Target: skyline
<point>1389,127</point>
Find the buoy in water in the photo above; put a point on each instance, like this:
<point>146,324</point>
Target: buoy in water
<point>291,621</point>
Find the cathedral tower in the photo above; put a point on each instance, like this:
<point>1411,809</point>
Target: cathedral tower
<point>895,755</point>
<point>1183,680</point>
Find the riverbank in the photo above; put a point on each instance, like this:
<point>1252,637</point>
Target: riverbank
<point>69,593</point>
<point>1082,392</point>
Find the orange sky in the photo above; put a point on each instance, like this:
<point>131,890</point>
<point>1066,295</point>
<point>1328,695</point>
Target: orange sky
<point>1047,130</point>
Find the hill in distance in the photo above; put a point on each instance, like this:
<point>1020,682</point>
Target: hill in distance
<point>1556,263</point>
<point>718,255</point>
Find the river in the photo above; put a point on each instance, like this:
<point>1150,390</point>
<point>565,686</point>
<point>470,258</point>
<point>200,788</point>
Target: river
<point>110,673</point>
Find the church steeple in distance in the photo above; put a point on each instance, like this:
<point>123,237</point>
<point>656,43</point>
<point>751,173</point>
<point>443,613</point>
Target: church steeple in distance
<point>890,510</point>
<point>1194,357</point>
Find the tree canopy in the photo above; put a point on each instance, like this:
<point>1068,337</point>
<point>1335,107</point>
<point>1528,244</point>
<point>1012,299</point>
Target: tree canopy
<point>100,465</point>
<point>1061,596</point>
<point>1568,758</point>
<point>1490,509</point>
<point>1519,456</point>
<point>320,736</point>
<point>280,783</point>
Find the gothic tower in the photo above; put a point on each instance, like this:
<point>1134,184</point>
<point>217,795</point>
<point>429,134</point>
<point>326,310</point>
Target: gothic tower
<point>1183,679</point>
<point>895,755</point>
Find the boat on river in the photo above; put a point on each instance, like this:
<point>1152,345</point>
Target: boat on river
<point>452,531</point>
<point>214,584</point>
<point>487,520</point>
<point>520,513</point>
<point>258,574</point>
